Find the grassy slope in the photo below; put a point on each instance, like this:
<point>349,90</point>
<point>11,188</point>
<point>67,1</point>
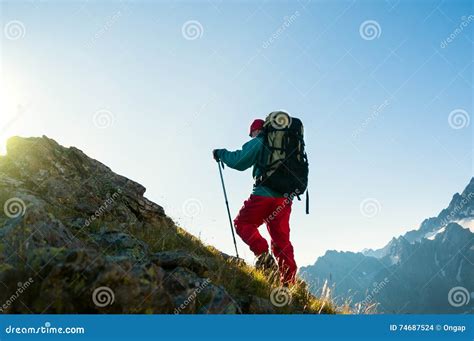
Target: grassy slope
<point>237,277</point>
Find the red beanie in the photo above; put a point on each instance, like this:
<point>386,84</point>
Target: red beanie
<point>256,125</point>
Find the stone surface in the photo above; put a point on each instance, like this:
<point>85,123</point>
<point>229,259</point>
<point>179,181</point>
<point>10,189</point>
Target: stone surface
<point>68,230</point>
<point>68,242</point>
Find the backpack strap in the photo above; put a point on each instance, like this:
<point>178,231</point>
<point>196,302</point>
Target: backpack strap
<point>261,162</point>
<point>307,201</point>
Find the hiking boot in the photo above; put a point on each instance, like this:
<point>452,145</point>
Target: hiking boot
<point>265,262</point>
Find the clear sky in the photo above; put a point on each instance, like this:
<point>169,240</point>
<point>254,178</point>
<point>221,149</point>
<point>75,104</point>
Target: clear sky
<point>150,88</point>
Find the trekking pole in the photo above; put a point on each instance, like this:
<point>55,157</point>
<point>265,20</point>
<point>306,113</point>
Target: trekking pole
<point>228,210</point>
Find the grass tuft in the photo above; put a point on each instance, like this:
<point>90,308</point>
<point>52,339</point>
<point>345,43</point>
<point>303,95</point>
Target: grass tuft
<point>239,279</point>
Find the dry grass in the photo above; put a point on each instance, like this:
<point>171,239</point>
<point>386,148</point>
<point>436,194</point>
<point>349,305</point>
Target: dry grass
<point>239,279</point>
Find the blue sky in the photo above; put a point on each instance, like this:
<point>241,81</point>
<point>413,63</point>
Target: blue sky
<point>375,103</point>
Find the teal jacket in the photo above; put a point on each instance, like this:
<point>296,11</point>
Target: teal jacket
<point>246,158</point>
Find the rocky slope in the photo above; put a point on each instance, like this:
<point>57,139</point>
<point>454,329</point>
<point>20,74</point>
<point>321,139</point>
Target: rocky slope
<point>419,272</point>
<point>77,238</point>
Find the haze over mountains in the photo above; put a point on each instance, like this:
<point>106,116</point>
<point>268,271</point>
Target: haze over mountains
<point>427,270</point>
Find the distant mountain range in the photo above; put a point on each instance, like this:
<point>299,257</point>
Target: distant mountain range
<point>429,270</point>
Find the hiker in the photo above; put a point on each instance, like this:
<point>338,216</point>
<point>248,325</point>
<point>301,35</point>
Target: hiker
<point>263,205</point>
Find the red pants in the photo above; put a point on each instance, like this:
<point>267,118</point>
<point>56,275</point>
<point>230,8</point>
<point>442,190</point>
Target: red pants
<point>275,212</point>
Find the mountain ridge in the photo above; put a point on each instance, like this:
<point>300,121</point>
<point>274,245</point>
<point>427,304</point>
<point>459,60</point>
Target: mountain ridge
<point>75,237</point>
<point>440,252</point>
<point>456,211</point>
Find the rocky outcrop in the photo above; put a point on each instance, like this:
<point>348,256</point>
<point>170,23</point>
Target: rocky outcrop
<point>76,237</point>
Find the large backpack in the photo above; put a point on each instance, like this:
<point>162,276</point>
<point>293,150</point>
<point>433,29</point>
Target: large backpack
<point>284,162</point>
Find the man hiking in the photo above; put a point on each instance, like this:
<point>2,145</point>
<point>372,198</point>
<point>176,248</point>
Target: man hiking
<point>263,205</point>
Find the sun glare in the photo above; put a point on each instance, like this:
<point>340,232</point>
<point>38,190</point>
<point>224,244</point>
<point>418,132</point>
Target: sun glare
<point>11,108</point>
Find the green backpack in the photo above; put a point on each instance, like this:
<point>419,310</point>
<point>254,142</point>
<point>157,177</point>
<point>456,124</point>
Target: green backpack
<point>284,162</point>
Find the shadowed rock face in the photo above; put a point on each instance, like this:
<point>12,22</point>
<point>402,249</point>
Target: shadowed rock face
<point>66,245</point>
